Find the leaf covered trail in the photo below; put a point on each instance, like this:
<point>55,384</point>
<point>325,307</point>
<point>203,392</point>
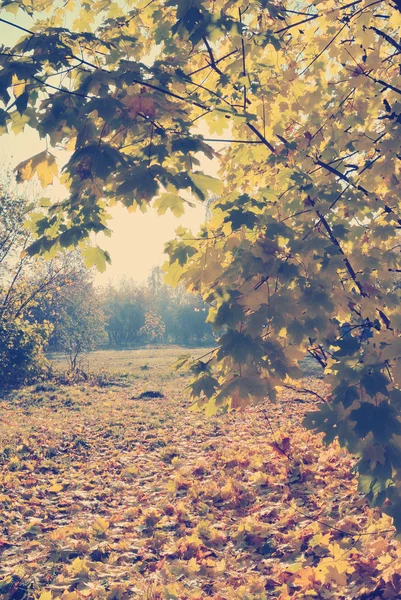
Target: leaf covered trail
<point>103,496</point>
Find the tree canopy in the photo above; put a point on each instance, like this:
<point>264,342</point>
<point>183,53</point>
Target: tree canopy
<point>301,105</point>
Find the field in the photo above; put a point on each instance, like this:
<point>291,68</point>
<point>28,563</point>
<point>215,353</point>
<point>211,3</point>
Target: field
<point>105,495</point>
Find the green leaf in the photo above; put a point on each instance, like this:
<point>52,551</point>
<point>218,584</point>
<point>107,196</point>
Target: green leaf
<point>169,202</point>
<point>374,383</point>
<point>206,183</point>
<point>238,217</point>
<point>3,117</point>
<point>240,347</point>
<point>205,385</point>
<point>181,362</point>
<point>345,394</point>
<point>21,102</point>
<point>348,346</point>
<point>381,420</point>
<point>96,257</point>
<point>141,184</point>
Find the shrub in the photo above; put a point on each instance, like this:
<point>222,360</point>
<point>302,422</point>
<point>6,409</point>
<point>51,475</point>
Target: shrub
<point>22,359</point>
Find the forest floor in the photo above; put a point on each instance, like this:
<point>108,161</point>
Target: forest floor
<point>103,495</point>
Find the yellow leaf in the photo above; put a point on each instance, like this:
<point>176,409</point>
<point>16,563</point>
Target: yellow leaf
<point>336,567</point>
<point>221,566</point>
<point>79,567</point>
<point>18,85</point>
<point>56,487</point>
<point>172,592</point>
<point>42,164</point>
<point>12,8</point>
<point>385,560</point>
<point>392,351</point>
<point>193,566</point>
<point>19,122</point>
<point>100,526</point>
<point>255,298</point>
<point>46,596</point>
<point>320,540</point>
<point>206,183</point>
<point>333,573</point>
<point>70,595</point>
<point>46,170</point>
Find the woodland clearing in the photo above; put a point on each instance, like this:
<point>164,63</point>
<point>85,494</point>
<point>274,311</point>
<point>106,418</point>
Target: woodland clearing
<point>106,496</point>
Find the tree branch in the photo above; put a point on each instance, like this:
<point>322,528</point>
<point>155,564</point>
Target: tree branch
<point>213,63</point>
<point>340,175</point>
<point>243,56</point>
<point>216,62</point>
<point>387,37</point>
<point>261,137</point>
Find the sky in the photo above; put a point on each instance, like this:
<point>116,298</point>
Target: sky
<point>138,239</point>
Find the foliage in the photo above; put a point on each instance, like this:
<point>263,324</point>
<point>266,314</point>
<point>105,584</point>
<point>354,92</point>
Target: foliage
<point>79,321</point>
<point>124,306</point>
<point>26,285</point>
<point>21,343</point>
<point>32,314</point>
<point>183,315</point>
<point>305,235</point>
<point>103,497</point>
<point>153,329</point>
<point>131,308</point>
<point>21,352</point>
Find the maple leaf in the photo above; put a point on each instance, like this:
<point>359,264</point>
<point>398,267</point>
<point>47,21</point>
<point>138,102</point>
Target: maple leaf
<point>375,454</point>
<point>139,103</point>
<point>306,578</point>
<point>100,526</point>
<point>336,567</point>
<point>56,487</point>
<point>42,164</point>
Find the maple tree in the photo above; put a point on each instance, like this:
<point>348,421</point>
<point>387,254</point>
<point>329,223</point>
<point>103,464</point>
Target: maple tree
<point>303,239</point>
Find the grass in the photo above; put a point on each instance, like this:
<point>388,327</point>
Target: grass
<point>145,363</point>
<point>134,364</point>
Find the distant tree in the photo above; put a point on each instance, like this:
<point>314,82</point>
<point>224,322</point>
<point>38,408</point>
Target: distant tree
<point>153,313</point>
<point>125,305</point>
<point>190,326</point>
<point>153,329</point>
<point>156,283</point>
<point>184,315</point>
<point>79,326</point>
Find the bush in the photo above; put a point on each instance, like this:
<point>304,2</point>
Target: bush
<point>22,359</point>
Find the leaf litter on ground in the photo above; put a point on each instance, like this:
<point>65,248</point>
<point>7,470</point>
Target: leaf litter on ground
<point>105,498</point>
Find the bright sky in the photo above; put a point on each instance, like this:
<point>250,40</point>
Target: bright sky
<point>138,239</point>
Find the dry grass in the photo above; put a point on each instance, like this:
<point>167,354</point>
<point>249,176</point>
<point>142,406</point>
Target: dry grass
<point>141,363</point>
